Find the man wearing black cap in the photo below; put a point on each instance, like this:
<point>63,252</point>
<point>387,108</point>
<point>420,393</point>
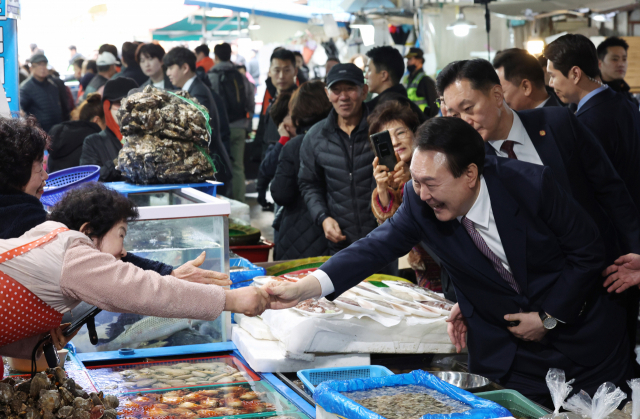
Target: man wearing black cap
<point>102,148</point>
<point>335,175</point>
<point>39,96</point>
<point>421,89</point>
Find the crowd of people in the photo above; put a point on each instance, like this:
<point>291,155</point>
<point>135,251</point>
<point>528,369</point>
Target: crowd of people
<point>514,190</point>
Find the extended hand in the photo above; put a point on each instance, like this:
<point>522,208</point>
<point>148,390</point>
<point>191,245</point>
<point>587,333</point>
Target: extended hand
<point>623,274</point>
<point>250,301</point>
<point>288,294</point>
<point>192,273</point>
<point>332,230</point>
<point>57,337</point>
<point>530,327</point>
<point>457,328</point>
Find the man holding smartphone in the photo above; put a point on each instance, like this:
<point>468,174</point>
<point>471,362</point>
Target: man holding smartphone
<point>335,162</point>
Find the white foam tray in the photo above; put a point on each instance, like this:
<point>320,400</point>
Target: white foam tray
<point>269,356</point>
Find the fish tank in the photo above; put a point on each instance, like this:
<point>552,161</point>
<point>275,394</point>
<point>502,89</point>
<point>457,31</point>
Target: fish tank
<point>174,227</point>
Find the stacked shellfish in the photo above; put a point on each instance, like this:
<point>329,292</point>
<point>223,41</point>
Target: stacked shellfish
<point>51,395</point>
<point>161,132</point>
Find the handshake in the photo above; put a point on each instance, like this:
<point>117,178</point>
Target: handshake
<point>253,301</point>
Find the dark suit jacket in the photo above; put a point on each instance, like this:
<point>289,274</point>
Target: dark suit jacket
<point>200,91</point>
<point>615,121</point>
<point>552,246</point>
<point>553,101</point>
<point>579,163</point>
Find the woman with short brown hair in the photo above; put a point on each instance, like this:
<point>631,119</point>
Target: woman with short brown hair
<point>402,123</point>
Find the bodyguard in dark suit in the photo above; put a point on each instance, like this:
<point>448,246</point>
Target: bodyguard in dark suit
<point>549,136</point>
<point>181,70</point>
<point>615,121</point>
<point>522,80</point>
<point>518,248</point>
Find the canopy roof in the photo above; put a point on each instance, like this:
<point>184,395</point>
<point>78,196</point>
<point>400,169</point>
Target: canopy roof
<point>190,28</point>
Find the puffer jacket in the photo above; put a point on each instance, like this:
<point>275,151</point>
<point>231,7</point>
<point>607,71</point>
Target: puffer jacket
<point>336,185</point>
<point>298,237</point>
<point>102,149</point>
<point>66,143</point>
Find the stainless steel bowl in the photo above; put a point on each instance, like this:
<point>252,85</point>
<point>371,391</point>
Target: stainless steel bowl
<point>464,380</point>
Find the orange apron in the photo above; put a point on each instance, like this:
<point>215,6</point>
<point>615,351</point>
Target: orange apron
<point>22,313</point>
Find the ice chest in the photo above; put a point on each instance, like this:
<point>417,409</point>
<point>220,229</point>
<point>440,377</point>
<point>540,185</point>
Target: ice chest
<point>330,403</point>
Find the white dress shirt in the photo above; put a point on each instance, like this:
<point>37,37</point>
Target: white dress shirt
<point>523,147</point>
<point>159,85</point>
<point>541,105</point>
<point>188,84</point>
<point>484,222</point>
<point>480,213</point>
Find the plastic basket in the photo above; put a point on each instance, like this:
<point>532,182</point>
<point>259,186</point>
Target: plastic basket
<point>312,378</point>
<point>516,403</point>
<point>62,181</point>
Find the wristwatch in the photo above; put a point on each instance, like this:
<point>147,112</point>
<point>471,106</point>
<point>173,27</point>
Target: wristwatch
<point>547,321</point>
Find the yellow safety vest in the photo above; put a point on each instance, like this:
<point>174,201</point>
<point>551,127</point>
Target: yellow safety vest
<point>412,90</point>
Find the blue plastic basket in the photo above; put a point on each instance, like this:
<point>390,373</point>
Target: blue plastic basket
<point>62,181</point>
<point>312,378</point>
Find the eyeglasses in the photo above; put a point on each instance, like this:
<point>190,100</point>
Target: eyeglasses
<point>440,102</point>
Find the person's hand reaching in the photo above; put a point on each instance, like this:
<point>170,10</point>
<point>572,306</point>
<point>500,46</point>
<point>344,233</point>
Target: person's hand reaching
<point>288,294</point>
<point>250,301</point>
<point>58,338</point>
<point>457,328</point>
<point>191,272</point>
<point>623,274</point>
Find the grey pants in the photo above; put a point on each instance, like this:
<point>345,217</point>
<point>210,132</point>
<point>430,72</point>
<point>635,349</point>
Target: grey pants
<point>238,136</point>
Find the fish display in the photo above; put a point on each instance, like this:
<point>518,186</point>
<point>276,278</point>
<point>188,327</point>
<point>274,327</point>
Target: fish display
<point>145,330</point>
<point>322,306</point>
<point>406,402</point>
<point>165,138</point>
<point>50,394</point>
<point>191,404</point>
<point>161,375</point>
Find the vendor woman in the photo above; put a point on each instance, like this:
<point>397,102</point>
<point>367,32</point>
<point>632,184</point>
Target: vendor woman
<point>77,256</point>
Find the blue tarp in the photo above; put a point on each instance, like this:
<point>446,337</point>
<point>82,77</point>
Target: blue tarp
<point>327,395</point>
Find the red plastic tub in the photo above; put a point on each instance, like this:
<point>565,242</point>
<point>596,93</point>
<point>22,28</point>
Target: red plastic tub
<point>254,253</point>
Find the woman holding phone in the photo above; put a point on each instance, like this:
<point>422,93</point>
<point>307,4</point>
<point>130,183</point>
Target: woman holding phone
<point>401,122</point>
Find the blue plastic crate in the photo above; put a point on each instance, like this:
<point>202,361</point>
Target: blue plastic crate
<point>312,378</point>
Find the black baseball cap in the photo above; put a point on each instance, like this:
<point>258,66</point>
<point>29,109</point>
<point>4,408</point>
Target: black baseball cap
<point>116,89</point>
<point>415,52</point>
<point>345,72</point>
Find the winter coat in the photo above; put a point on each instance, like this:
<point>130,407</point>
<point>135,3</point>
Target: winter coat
<point>94,85</point>
<point>298,237</point>
<point>66,143</point>
<point>134,72</point>
<point>397,93</point>
<point>102,149</point>
<point>336,181</point>
<point>42,100</point>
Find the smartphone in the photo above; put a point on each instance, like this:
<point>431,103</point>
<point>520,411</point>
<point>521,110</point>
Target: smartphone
<point>383,149</point>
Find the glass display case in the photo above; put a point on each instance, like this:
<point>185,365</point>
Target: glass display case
<point>174,227</point>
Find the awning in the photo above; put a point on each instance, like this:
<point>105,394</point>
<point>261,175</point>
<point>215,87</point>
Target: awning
<point>190,28</point>
<point>278,9</point>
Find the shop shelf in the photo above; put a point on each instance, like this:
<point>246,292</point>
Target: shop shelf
<point>312,378</point>
<point>515,402</point>
<point>267,394</point>
<point>105,379</point>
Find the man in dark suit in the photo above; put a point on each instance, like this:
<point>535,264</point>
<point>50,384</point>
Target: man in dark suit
<point>181,70</point>
<point>522,80</point>
<point>518,248</point>
<point>550,136</point>
<point>615,121</point>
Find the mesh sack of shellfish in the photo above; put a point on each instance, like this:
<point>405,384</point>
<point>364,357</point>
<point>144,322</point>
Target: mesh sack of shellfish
<point>165,138</point>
